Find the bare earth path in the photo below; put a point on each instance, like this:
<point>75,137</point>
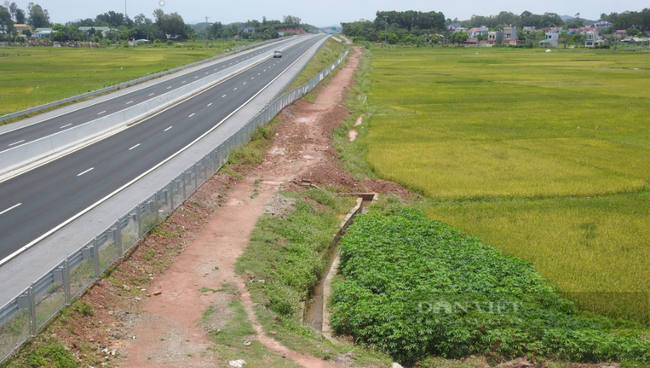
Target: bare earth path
<point>170,334</point>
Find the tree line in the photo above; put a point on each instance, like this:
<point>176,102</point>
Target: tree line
<point>161,26</point>
<point>416,28</point>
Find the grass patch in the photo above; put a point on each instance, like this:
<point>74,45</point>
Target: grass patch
<point>414,287</point>
<point>329,53</point>
<point>45,74</point>
<point>289,255</point>
<point>509,124</point>
<point>595,249</point>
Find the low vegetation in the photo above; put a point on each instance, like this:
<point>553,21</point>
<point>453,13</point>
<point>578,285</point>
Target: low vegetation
<point>542,155</point>
<point>414,287</point>
<point>329,53</point>
<point>283,262</point>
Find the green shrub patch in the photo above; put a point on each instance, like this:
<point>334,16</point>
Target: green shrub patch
<point>414,287</point>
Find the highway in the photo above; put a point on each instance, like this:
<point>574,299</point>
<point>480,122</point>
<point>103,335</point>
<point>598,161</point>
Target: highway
<point>37,201</point>
<point>66,121</point>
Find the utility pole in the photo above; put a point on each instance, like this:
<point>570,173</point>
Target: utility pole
<point>206,33</point>
<point>125,15</point>
<point>385,33</point>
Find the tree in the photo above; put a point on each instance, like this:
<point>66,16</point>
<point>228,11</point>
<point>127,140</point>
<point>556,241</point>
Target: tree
<point>27,33</point>
<point>20,16</point>
<point>38,18</point>
<point>6,24</point>
<point>139,19</point>
<point>291,20</point>
<point>460,37</point>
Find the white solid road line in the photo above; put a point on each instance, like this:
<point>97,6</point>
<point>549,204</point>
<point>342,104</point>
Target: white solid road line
<point>136,146</point>
<point>15,143</point>
<point>168,128</point>
<point>10,208</point>
<point>192,115</point>
<point>102,112</point>
<point>65,126</point>
<point>87,171</point>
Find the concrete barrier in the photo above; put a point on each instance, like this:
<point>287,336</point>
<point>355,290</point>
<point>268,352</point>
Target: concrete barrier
<point>30,152</point>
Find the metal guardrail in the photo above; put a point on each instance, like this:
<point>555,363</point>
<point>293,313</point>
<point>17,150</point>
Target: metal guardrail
<point>131,82</point>
<point>26,314</point>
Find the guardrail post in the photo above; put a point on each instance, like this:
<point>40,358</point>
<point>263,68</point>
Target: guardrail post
<point>171,196</point>
<point>66,282</point>
<point>184,186</point>
<point>32,311</point>
<point>117,237</point>
<point>96,257</point>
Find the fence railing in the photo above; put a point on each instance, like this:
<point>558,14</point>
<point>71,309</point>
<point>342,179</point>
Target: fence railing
<point>129,83</point>
<point>26,314</point>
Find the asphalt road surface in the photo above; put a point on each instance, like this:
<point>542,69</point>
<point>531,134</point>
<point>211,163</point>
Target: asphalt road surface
<point>37,201</point>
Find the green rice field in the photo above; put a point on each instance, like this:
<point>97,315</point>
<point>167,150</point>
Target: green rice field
<point>545,156</point>
<point>32,76</point>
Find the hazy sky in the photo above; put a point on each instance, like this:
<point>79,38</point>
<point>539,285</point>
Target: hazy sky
<point>322,13</point>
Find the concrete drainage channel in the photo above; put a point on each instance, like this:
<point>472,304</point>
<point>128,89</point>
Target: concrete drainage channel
<point>53,146</point>
<point>316,312</point>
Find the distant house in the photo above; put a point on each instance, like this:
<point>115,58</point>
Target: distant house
<point>510,36</point>
<point>552,40</point>
<point>43,32</point>
<point>20,28</point>
<point>592,39</point>
<point>621,34</point>
<point>460,29</point>
<point>452,27</point>
<point>495,38</point>
<point>473,33</point>
<point>553,30</point>
<point>98,30</point>
<point>248,29</point>
<point>529,29</point>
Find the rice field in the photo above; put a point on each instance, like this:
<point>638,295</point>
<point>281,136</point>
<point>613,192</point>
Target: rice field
<point>545,156</point>
<point>32,76</point>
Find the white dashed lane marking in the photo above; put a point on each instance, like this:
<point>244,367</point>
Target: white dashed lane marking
<point>130,102</point>
<point>87,171</point>
<point>15,143</point>
<point>210,104</point>
<point>151,94</point>
<point>192,115</point>
<point>101,112</point>
<point>65,126</point>
<point>134,147</point>
<point>10,208</point>
<point>169,128</point>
